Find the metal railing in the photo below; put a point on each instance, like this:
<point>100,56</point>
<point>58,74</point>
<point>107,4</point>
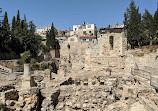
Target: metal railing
<point>147,75</point>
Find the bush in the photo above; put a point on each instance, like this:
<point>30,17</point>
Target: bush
<point>45,48</point>
<point>44,66</point>
<point>127,47</point>
<point>33,64</point>
<point>33,61</point>
<point>25,57</point>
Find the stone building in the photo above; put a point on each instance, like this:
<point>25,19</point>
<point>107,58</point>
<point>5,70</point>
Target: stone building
<point>111,29</point>
<point>42,31</point>
<point>86,32</point>
<point>108,54</point>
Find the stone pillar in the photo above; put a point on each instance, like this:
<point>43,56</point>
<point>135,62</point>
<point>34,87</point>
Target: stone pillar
<point>27,71</point>
<point>26,80</point>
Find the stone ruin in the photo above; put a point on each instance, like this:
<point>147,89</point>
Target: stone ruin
<point>46,91</point>
<point>92,76</point>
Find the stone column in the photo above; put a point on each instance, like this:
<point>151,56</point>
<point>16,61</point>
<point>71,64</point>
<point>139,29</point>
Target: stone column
<point>26,71</point>
<point>26,77</point>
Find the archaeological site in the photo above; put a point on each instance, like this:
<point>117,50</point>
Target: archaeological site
<point>91,76</point>
<point>89,67</point>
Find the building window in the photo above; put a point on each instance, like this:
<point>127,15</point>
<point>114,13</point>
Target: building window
<point>89,26</point>
<point>84,32</point>
<point>84,39</point>
<point>83,27</point>
<point>111,41</point>
<point>75,29</point>
<point>103,31</point>
<point>90,32</point>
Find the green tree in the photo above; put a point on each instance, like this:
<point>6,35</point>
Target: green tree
<point>0,17</point>
<point>13,24</point>
<point>50,36</point>
<point>5,24</point>
<point>0,31</point>
<point>18,36</point>
<point>18,19</point>
<point>147,28</point>
<point>5,35</point>
<point>34,43</point>
<point>24,34</point>
<point>156,21</point>
<point>132,24</point>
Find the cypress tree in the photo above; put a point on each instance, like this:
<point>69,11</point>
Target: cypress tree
<point>13,24</point>
<point>0,31</point>
<point>156,21</point>
<point>51,42</point>
<point>0,17</point>
<point>132,24</point>
<point>5,34</point>
<point>5,24</point>
<point>156,27</point>
<point>31,40</point>
<point>18,19</point>
<point>148,27</point>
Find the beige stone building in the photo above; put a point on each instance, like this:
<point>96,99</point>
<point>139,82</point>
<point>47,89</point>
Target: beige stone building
<point>42,31</point>
<point>86,32</point>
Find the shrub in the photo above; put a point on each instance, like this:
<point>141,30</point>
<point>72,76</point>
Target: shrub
<point>33,61</point>
<point>44,66</point>
<point>25,57</point>
<point>127,47</point>
<point>45,48</point>
<point>33,64</point>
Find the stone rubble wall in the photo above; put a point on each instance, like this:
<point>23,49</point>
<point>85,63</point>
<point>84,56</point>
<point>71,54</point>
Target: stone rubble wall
<point>10,65</point>
<point>142,62</point>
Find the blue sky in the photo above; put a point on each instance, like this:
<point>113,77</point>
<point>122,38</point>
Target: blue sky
<point>66,13</point>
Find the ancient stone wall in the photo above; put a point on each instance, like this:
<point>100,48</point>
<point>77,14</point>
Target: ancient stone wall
<point>10,64</point>
<point>76,53</point>
<point>140,59</point>
<point>103,57</point>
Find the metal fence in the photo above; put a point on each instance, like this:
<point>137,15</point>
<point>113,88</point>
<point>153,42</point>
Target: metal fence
<point>147,75</point>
